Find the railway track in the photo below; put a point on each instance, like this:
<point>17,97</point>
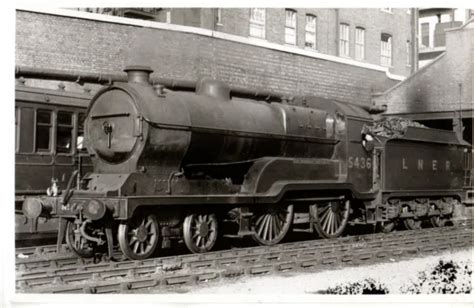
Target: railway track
<point>72,275</point>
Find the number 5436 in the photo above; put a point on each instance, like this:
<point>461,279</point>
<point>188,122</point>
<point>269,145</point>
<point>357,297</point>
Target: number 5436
<point>359,162</point>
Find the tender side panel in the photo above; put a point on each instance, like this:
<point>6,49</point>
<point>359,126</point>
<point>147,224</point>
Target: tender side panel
<point>419,166</point>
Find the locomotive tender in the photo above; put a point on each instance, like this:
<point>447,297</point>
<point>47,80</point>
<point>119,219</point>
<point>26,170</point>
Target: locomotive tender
<point>192,166</point>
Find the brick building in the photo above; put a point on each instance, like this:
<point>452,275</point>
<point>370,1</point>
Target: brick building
<point>432,24</point>
<point>441,92</point>
<point>77,42</point>
<point>376,36</point>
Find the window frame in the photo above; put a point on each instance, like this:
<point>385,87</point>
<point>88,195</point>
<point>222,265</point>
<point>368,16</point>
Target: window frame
<point>409,51</point>
<point>17,128</point>
<point>70,126</point>
<point>290,28</point>
<point>219,17</point>
<point>311,31</point>
<point>357,43</point>
<point>49,150</point>
<point>258,24</point>
<point>389,47</point>
<point>78,132</point>
<point>344,42</point>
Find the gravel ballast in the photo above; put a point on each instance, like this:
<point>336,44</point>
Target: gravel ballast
<point>393,275</point>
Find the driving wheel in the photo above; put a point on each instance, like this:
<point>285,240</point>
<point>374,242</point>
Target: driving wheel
<point>331,218</point>
<point>200,232</point>
<point>139,236</point>
<point>272,224</point>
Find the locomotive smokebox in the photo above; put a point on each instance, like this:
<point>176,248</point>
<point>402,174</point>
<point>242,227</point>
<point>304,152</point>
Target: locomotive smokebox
<point>138,73</point>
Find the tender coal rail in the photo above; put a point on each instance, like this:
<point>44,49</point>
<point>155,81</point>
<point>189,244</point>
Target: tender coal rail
<point>169,272</point>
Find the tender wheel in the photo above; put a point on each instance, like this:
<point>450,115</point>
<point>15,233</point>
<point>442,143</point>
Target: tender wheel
<point>139,236</point>
<point>387,226</point>
<point>412,224</point>
<point>438,221</point>
<point>77,243</point>
<point>331,218</point>
<point>200,232</point>
<point>273,224</point>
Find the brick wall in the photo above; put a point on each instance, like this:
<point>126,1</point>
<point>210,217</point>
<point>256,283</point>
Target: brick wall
<point>235,21</point>
<point>435,87</point>
<point>74,44</point>
<point>374,21</point>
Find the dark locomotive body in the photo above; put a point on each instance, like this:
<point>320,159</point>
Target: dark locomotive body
<point>189,166</point>
<point>48,124</point>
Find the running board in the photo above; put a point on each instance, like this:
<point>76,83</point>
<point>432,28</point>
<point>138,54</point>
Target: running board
<point>314,199</point>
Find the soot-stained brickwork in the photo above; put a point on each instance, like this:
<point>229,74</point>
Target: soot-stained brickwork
<point>79,45</point>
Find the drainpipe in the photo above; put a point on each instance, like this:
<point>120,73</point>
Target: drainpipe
<point>414,39</point>
<point>337,31</point>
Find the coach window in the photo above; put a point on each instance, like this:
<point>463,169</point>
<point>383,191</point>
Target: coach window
<point>17,128</point>
<point>80,133</point>
<point>64,132</point>
<point>43,130</point>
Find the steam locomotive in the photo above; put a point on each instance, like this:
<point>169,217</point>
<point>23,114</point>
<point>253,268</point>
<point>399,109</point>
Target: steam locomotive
<point>192,166</point>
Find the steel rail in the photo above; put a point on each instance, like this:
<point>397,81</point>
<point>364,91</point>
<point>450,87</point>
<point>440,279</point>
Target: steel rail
<point>45,257</point>
<point>164,272</point>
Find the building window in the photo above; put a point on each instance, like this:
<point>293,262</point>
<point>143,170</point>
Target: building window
<point>290,27</point>
<point>43,131</point>
<point>344,40</point>
<point>310,32</point>
<point>386,9</point>
<point>360,43</point>
<point>408,53</point>
<point>425,34</point>
<point>257,23</point>
<point>168,16</point>
<point>218,16</point>
<point>386,49</point>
